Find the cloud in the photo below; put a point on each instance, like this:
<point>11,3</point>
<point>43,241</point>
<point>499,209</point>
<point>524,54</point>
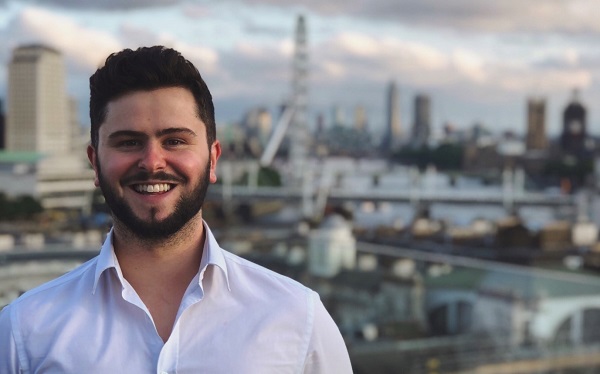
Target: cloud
<point>469,64</point>
<point>85,49</point>
<point>361,57</point>
<point>506,16</point>
<point>106,4</point>
<point>502,52</point>
<point>259,72</point>
<point>206,59</point>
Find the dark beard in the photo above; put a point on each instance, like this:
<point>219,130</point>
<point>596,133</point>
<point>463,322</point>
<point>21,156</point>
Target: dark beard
<point>186,208</point>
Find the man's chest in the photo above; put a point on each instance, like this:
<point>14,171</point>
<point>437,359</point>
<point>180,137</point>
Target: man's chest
<point>202,341</point>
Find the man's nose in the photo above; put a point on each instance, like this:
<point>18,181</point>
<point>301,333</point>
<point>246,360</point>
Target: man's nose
<point>152,157</point>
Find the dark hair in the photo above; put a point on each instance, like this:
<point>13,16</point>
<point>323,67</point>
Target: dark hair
<point>146,69</point>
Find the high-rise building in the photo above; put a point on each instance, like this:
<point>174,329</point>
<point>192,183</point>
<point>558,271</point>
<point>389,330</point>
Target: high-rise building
<point>337,114</point>
<point>360,118</point>
<point>422,124</point>
<point>257,123</point>
<point>574,126</point>
<point>536,124</point>
<point>393,132</point>
<point>37,115</point>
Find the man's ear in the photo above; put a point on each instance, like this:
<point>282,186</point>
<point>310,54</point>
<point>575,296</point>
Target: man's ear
<point>215,153</point>
<point>91,153</point>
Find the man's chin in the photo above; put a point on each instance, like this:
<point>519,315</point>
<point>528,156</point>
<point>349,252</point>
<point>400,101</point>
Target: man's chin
<point>151,230</point>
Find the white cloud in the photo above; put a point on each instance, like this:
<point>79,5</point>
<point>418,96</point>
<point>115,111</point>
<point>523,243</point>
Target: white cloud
<point>358,44</point>
<point>469,52</point>
<point>571,56</point>
<point>505,16</point>
<point>205,59</point>
<point>549,81</point>
<point>469,64</point>
<point>333,69</point>
<point>84,48</point>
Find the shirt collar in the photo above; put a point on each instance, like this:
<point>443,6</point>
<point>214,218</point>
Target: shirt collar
<point>211,255</point>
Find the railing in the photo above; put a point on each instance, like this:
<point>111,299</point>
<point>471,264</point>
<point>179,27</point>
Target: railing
<point>410,195</point>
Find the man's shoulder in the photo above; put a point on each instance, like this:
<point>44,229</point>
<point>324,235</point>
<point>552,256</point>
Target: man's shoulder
<point>62,288</point>
<point>245,273</point>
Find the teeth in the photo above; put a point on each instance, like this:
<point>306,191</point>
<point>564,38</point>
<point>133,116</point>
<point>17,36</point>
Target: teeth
<point>152,188</point>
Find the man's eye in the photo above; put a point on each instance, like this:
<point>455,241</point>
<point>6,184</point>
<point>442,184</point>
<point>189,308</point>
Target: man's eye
<point>129,143</point>
<point>174,142</point>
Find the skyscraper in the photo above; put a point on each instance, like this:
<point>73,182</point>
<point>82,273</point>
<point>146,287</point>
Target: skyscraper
<point>37,115</point>
<point>337,114</point>
<point>574,126</point>
<point>536,124</point>
<point>360,118</point>
<point>257,123</point>
<point>422,125</point>
<point>393,129</point>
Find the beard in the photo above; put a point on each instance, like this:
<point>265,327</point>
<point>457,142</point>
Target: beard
<point>188,206</point>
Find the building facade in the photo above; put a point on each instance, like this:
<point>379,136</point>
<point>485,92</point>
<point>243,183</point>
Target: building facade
<point>37,114</point>
<point>536,124</point>
<point>422,117</point>
<point>393,125</point>
<point>360,118</point>
<point>574,131</point>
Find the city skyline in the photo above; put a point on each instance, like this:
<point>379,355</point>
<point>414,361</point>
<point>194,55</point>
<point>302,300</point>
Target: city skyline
<point>478,62</point>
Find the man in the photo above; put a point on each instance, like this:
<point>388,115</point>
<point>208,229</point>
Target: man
<point>162,296</point>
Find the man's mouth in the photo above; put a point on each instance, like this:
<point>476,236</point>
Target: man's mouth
<point>152,188</point>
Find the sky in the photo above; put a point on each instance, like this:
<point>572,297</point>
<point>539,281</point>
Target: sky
<point>479,61</point>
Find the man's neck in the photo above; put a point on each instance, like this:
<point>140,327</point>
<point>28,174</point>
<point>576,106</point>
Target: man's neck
<point>160,272</point>
<point>183,249</point>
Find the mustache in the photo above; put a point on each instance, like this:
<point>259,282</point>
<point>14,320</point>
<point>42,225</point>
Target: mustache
<point>144,176</point>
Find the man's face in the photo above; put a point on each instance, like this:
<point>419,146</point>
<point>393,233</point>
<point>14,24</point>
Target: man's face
<point>152,162</point>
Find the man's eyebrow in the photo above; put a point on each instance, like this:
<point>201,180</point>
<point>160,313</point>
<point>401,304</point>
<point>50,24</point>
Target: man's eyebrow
<point>126,133</point>
<point>140,134</point>
<point>175,130</point>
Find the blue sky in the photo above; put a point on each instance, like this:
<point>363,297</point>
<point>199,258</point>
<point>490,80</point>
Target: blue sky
<point>478,60</point>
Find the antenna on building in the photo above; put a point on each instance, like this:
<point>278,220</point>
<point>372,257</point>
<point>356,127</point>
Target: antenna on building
<point>576,95</point>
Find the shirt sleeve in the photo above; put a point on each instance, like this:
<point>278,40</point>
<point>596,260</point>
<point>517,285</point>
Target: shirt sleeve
<point>327,352</point>
<point>9,362</point>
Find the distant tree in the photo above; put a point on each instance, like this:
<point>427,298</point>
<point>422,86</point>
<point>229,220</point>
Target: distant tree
<point>575,170</point>
<point>410,155</point>
<point>28,207</point>
<point>267,177</point>
<point>447,156</point>
<point>19,208</point>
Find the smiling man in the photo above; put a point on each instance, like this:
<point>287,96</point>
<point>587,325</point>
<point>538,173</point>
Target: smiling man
<point>162,296</point>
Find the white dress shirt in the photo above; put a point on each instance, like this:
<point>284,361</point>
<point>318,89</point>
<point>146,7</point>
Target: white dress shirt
<point>236,317</point>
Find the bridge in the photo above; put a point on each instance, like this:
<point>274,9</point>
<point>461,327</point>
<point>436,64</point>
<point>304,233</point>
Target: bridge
<point>346,180</point>
<point>247,193</point>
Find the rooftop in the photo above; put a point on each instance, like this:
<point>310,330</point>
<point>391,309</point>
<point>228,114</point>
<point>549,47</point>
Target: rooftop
<point>13,157</point>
